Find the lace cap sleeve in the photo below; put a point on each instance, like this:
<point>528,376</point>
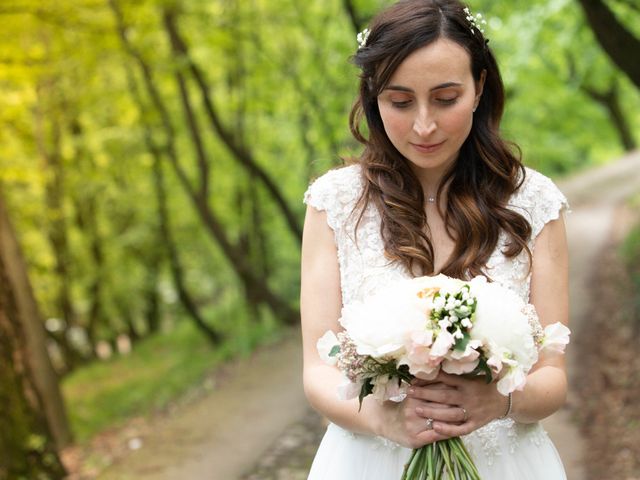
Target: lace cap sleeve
<point>336,193</point>
<point>540,200</point>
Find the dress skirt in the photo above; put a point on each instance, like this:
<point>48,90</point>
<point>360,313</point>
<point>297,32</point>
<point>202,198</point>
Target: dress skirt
<point>501,450</point>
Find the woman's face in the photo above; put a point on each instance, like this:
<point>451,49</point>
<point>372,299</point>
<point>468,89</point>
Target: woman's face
<point>427,107</point>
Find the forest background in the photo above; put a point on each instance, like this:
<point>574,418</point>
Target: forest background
<point>153,159</point>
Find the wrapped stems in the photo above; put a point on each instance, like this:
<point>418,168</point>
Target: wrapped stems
<point>446,459</point>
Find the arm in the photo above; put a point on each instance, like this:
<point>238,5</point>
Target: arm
<point>546,388</point>
<point>320,307</point>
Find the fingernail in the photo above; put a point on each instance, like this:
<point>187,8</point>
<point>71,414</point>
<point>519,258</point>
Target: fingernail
<point>419,410</point>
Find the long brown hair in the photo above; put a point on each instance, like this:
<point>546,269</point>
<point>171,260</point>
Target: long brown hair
<point>487,172</point>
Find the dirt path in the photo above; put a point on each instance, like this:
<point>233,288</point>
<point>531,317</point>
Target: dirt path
<point>593,196</point>
<point>257,425</point>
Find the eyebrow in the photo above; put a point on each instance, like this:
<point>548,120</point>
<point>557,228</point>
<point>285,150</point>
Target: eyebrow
<point>400,88</point>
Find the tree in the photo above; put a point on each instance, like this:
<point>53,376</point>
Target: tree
<point>619,43</point>
<point>27,445</point>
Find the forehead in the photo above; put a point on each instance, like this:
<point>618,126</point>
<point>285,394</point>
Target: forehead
<point>439,62</point>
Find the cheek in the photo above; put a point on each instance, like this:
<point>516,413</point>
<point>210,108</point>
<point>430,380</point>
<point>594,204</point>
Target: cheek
<point>395,123</point>
<point>457,121</point>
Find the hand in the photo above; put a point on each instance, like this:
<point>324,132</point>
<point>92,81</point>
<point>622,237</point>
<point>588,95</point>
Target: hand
<point>462,406</point>
<point>401,422</point>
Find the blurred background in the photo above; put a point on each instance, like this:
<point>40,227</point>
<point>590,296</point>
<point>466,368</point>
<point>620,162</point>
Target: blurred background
<point>153,159</point>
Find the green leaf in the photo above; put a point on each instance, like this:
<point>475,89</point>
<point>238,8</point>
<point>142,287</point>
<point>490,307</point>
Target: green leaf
<point>461,343</point>
<point>367,388</point>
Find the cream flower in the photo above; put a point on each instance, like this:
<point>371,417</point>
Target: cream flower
<point>386,388</point>
<point>349,390</point>
<point>325,344</point>
<point>418,356</point>
<point>556,338</point>
<point>515,379</point>
<point>465,361</point>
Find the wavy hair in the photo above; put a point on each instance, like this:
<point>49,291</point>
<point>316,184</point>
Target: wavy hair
<point>488,169</point>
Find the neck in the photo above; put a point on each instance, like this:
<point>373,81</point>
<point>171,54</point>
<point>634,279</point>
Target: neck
<point>430,181</point>
<point>431,178</point>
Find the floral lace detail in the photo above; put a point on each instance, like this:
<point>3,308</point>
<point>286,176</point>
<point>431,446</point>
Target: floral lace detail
<point>364,269</point>
<point>539,201</point>
<point>496,437</point>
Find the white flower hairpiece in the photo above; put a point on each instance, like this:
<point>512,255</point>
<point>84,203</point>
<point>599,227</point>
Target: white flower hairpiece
<point>362,37</point>
<point>476,21</point>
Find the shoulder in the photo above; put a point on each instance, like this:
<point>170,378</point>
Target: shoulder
<point>335,189</point>
<point>539,200</point>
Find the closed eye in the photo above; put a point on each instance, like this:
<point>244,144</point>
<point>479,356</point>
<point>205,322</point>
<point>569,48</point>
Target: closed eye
<point>447,101</point>
<point>403,104</point>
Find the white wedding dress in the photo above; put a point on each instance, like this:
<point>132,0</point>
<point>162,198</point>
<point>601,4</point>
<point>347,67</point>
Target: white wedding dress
<point>502,449</point>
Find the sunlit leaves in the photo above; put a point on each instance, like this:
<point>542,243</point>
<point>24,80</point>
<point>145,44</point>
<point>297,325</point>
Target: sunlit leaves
<point>279,73</point>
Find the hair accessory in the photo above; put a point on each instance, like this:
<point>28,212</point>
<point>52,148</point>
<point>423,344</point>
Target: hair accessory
<point>362,37</point>
<point>475,21</point>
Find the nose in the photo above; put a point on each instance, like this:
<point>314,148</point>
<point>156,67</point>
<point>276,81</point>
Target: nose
<point>424,124</point>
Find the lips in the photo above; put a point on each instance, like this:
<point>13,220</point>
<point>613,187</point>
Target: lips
<point>427,148</point>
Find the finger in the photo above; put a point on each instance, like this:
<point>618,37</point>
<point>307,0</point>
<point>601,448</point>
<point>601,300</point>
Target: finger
<point>451,430</point>
<point>449,396</point>
<point>449,379</point>
<point>449,415</point>
<point>420,382</point>
<point>424,403</point>
<point>428,436</point>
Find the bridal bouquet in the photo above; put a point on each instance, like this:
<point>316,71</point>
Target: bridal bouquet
<point>416,328</point>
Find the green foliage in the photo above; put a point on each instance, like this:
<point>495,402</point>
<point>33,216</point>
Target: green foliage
<point>630,253</point>
<point>548,56</point>
<point>76,164</point>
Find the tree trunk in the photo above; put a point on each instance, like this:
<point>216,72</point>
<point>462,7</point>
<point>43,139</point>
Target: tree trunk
<point>151,294</point>
<point>48,143</point>
<point>614,38</point>
<point>33,422</point>
<point>88,212</point>
<point>350,9</point>
<point>176,267</point>
<point>240,151</point>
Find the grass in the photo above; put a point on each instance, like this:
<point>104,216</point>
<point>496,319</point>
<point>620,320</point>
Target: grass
<point>158,371</point>
<point>630,253</point>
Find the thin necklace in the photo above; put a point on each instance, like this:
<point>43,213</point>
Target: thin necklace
<point>431,199</point>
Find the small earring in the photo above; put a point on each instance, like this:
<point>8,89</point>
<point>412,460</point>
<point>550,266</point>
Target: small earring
<point>474,109</point>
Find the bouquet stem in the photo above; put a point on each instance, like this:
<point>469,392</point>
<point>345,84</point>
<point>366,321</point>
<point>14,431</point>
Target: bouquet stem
<point>446,459</point>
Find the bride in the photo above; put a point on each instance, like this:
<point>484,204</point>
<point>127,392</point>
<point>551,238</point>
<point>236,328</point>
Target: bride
<point>435,190</point>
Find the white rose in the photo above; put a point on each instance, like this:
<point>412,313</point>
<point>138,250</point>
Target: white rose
<point>500,322</point>
<point>381,325</point>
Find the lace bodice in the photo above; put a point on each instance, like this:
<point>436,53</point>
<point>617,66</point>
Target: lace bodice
<point>364,268</point>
